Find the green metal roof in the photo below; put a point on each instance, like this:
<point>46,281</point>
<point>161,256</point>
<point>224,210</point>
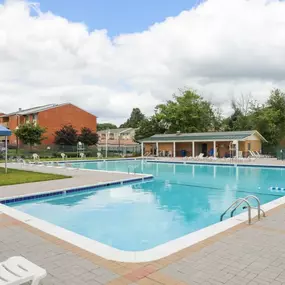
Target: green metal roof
<point>227,136</point>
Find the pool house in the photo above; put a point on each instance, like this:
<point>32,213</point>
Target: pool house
<point>215,144</point>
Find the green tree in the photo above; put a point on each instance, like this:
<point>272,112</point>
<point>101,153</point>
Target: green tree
<point>188,113</point>
<point>105,126</point>
<point>269,119</point>
<point>88,137</point>
<point>135,119</point>
<point>149,127</point>
<point>30,134</point>
<point>67,135</point>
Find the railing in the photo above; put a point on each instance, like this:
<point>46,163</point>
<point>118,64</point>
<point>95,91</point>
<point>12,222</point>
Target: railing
<point>258,208</point>
<point>248,206</point>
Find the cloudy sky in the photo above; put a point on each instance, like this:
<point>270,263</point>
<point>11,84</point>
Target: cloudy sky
<point>109,65</point>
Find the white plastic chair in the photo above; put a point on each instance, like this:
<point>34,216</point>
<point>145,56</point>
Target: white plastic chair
<point>63,156</point>
<point>18,270</point>
<point>35,156</point>
<point>82,155</point>
<point>99,155</point>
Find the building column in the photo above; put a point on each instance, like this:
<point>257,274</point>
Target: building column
<point>156,148</point>
<point>215,152</point>
<point>193,149</point>
<point>174,149</point>
<point>142,149</point>
<point>237,149</point>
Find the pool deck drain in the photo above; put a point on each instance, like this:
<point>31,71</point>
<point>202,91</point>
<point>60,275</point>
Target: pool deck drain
<point>246,254</point>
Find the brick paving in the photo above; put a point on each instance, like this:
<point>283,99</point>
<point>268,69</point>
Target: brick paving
<point>246,254</point>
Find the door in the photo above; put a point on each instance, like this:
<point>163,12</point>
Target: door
<point>205,149</point>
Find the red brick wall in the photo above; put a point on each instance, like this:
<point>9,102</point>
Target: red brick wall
<point>13,123</point>
<point>54,119</point>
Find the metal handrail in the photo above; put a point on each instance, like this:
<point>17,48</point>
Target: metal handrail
<point>240,201</point>
<point>258,208</point>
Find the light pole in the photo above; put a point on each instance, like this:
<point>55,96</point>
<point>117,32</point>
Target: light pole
<point>106,145</point>
<point>17,141</point>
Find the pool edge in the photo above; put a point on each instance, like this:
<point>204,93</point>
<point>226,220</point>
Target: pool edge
<point>149,255</point>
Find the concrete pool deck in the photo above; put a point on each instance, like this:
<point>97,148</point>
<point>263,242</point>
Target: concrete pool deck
<point>79,178</point>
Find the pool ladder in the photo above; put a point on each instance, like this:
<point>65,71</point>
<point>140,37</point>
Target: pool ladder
<point>237,203</point>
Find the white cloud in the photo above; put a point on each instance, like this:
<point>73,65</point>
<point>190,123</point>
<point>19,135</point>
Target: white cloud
<point>222,48</point>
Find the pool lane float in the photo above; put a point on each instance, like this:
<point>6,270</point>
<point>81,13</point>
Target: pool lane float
<point>277,189</point>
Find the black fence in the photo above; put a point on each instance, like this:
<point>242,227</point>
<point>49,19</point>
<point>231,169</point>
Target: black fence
<point>55,151</point>
<point>280,154</point>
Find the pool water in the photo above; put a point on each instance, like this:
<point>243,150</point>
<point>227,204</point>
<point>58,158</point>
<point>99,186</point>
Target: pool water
<point>179,200</point>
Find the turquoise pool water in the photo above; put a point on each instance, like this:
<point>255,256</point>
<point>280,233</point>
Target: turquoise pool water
<point>181,199</point>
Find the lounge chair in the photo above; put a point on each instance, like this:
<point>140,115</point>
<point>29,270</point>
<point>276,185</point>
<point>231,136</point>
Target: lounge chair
<point>63,156</point>
<point>18,270</point>
<point>259,155</point>
<point>200,156</point>
<point>252,154</point>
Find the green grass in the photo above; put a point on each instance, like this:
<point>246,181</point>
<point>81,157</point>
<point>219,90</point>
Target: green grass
<point>20,176</point>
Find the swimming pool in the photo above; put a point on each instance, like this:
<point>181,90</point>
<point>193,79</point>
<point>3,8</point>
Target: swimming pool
<point>181,199</point>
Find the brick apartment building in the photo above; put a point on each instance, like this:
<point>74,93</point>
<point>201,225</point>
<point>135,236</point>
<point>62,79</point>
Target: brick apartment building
<point>52,117</point>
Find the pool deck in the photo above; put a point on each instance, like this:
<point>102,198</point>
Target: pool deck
<point>79,178</point>
<point>245,254</point>
<point>256,162</point>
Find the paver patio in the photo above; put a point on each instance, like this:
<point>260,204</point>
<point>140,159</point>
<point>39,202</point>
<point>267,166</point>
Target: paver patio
<point>247,254</point>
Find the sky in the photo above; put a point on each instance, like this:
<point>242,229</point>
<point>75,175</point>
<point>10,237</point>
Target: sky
<point>117,17</point>
<point>111,57</point>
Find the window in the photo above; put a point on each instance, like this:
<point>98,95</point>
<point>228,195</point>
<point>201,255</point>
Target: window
<point>35,117</point>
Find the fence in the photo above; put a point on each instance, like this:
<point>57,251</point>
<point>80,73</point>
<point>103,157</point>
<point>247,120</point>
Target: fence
<point>54,151</point>
<point>280,154</point>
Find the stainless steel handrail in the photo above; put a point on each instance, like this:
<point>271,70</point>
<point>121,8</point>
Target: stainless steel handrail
<point>258,208</point>
<point>239,202</point>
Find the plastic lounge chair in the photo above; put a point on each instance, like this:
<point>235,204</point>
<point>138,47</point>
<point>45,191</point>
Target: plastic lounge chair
<point>252,154</point>
<point>200,156</point>
<point>18,270</point>
<point>259,155</point>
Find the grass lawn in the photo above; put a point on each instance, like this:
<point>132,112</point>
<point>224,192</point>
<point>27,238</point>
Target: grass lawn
<point>20,176</point>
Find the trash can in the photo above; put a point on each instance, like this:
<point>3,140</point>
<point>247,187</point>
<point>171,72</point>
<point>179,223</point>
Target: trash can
<point>183,153</point>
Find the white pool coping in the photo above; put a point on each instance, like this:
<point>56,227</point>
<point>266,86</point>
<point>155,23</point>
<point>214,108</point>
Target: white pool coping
<point>152,254</point>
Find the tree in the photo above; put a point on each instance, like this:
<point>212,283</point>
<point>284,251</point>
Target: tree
<point>269,119</point>
<point>105,126</point>
<point>67,135</point>
<point>88,137</point>
<point>243,108</point>
<point>135,119</point>
<point>188,113</point>
<point>30,134</point>
<point>149,127</point>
